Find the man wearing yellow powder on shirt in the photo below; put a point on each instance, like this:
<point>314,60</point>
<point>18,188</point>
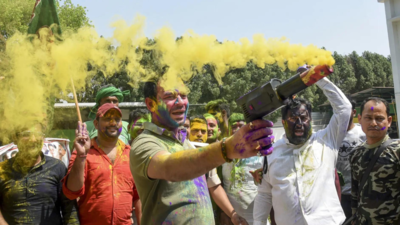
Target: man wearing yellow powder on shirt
<point>169,173</point>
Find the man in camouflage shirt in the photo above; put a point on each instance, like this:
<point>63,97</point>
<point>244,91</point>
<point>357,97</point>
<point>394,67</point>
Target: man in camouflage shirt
<point>378,200</point>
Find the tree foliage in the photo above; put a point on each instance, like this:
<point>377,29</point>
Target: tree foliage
<point>71,16</point>
<point>15,16</point>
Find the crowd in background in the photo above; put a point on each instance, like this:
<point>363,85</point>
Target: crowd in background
<point>164,166</point>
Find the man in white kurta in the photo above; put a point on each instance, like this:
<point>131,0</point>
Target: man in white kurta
<point>300,182</point>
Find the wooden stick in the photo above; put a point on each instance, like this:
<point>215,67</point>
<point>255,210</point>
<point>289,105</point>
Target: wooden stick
<point>76,101</point>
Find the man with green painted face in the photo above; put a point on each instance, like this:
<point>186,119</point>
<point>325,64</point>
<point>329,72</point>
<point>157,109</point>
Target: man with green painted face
<point>169,174</point>
<point>108,94</point>
<point>237,179</point>
<point>236,121</point>
<point>220,110</point>
<point>136,119</point>
<point>213,130</point>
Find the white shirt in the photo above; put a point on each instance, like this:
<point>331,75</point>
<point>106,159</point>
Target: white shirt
<point>241,191</point>
<point>300,182</point>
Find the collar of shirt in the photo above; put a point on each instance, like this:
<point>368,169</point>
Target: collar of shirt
<point>120,151</point>
<point>41,163</point>
<point>160,131</point>
<point>299,147</point>
<point>377,143</point>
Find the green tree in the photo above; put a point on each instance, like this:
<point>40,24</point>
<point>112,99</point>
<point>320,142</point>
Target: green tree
<point>388,70</point>
<point>381,68</point>
<point>343,75</point>
<point>363,72</point>
<point>71,16</point>
<point>15,16</point>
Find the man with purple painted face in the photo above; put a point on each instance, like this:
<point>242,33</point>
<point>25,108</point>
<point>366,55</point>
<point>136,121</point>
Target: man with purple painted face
<point>300,181</point>
<point>169,174</point>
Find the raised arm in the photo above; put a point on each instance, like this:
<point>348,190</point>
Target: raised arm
<point>76,176</point>
<point>337,127</point>
<point>189,164</point>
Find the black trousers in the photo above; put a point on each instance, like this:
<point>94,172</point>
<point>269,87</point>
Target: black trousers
<point>346,205</point>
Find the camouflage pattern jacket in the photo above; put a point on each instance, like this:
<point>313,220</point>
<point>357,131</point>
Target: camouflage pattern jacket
<point>379,200</point>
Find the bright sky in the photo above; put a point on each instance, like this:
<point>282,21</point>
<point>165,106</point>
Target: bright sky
<point>341,25</point>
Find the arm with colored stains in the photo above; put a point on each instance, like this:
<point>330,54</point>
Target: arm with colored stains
<point>75,178</point>
<point>221,199</point>
<point>337,128</point>
<point>74,181</point>
<point>196,162</point>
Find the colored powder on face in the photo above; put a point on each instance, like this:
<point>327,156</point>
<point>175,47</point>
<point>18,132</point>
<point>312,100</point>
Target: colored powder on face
<point>383,128</point>
<point>120,130</point>
<point>372,108</point>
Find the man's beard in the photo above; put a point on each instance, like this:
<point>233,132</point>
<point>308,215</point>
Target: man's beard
<point>27,155</point>
<point>110,134</point>
<point>297,140</point>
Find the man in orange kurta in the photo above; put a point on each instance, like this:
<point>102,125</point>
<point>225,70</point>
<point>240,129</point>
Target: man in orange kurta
<point>99,173</point>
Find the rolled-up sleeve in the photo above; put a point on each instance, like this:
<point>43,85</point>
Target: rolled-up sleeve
<point>68,193</point>
<point>213,179</point>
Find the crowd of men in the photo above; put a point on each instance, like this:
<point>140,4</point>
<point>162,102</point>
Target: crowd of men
<point>168,167</point>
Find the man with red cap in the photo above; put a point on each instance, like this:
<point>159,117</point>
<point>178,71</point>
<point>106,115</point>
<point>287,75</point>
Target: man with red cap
<point>99,174</point>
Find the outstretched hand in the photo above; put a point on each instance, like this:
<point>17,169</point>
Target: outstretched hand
<point>255,138</point>
<point>82,140</point>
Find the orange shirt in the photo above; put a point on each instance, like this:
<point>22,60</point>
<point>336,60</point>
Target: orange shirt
<point>108,191</point>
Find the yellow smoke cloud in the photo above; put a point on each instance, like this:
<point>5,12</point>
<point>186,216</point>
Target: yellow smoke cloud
<point>38,70</point>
